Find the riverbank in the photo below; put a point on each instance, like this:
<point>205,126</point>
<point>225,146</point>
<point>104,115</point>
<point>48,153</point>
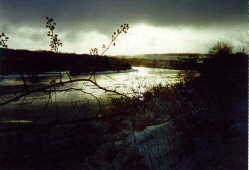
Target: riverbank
<point>35,62</point>
<point>211,126</point>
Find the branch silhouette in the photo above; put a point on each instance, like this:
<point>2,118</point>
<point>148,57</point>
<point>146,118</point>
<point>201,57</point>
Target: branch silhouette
<point>59,84</point>
<point>55,42</point>
<point>123,29</point>
<point>3,40</point>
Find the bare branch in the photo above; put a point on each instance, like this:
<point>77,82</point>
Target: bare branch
<point>123,29</point>
<point>54,85</point>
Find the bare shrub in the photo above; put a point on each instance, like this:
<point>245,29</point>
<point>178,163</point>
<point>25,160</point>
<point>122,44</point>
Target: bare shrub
<point>221,49</point>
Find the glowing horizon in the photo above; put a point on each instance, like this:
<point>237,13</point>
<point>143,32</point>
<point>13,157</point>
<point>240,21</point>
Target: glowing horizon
<point>140,39</point>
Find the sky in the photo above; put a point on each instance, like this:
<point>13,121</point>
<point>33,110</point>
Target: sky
<point>156,26</point>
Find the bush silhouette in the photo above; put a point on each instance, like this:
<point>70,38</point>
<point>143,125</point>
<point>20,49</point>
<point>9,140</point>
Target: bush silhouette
<point>221,49</point>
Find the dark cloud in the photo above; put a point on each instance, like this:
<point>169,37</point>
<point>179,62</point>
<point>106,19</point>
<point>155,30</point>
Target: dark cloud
<point>105,15</point>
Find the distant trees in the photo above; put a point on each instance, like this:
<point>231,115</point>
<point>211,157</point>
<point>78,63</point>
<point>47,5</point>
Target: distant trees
<point>55,42</point>
<point>3,40</point>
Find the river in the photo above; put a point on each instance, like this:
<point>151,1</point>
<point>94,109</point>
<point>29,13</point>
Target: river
<point>131,82</point>
<point>138,79</point>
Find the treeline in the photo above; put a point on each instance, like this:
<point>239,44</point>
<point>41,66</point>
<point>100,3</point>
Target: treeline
<point>34,62</point>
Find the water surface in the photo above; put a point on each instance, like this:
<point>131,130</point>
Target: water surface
<point>136,80</point>
<point>131,82</point>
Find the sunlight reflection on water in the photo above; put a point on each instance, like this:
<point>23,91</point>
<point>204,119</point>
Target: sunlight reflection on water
<point>129,82</point>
